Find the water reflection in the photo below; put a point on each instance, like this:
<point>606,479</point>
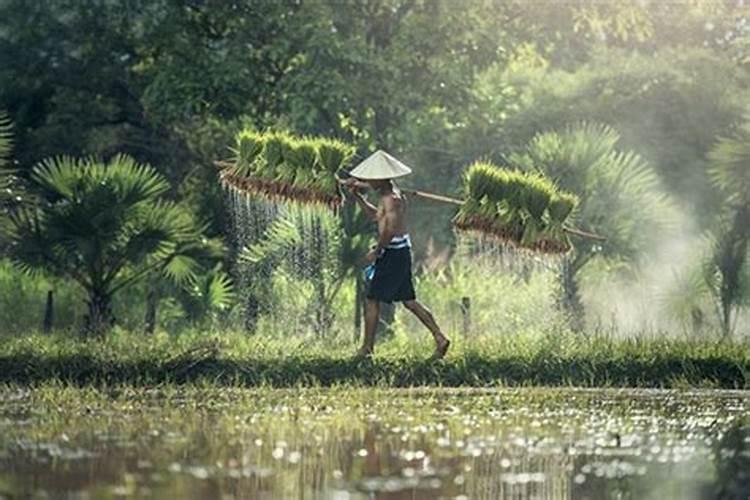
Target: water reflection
<point>380,445</point>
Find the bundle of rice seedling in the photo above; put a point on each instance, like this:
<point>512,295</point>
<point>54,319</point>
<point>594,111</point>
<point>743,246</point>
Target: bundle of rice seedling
<point>527,210</point>
<point>279,166</point>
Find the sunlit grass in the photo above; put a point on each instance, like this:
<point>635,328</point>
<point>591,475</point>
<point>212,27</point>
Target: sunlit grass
<point>229,358</point>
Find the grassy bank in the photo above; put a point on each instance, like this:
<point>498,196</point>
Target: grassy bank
<point>234,359</point>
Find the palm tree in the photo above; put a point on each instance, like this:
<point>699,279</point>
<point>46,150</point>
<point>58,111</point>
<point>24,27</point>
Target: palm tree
<point>727,272</point>
<point>299,233</point>
<point>203,291</point>
<point>7,195</point>
<point>106,226</point>
<point>620,197</point>
<point>207,294</point>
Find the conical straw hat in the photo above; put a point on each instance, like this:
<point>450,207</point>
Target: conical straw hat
<point>380,165</point>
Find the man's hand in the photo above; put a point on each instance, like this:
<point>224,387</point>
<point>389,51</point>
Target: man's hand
<point>372,255</point>
<point>353,185</point>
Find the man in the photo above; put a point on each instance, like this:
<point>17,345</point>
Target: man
<point>391,256</point>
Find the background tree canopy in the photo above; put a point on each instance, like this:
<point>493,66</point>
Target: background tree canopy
<point>438,82</point>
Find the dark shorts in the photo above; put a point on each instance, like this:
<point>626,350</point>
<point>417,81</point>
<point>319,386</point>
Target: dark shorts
<point>392,281</point>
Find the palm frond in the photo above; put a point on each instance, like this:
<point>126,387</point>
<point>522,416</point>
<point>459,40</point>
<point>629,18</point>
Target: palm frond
<point>730,162</point>
<point>181,269</point>
<point>220,290</point>
<point>7,197</point>
<point>6,140</point>
<point>621,195</point>
<point>281,235</point>
<point>135,182</point>
<point>122,182</point>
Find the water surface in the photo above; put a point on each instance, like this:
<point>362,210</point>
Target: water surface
<point>387,444</point>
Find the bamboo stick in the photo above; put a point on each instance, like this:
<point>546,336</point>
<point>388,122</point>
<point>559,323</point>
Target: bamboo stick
<point>455,201</point>
<point>432,196</point>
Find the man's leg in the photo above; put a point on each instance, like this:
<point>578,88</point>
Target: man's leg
<point>372,313</point>
<point>428,320</point>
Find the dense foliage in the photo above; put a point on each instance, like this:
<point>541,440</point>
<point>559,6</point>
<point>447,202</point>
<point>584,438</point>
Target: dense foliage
<point>106,226</point>
<point>439,83</point>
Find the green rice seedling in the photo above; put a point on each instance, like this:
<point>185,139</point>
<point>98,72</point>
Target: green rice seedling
<point>561,205</point>
<point>479,179</point>
<point>326,184</point>
<point>513,206</point>
<point>334,155</point>
<point>305,161</point>
<point>286,170</point>
<point>282,167</point>
<point>517,185</point>
<point>532,231</point>
<point>537,196</point>
<point>272,154</point>
<point>249,147</point>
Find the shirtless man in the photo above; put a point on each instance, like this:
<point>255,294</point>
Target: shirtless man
<point>391,256</point>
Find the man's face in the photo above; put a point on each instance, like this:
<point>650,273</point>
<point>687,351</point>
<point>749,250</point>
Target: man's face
<point>377,184</point>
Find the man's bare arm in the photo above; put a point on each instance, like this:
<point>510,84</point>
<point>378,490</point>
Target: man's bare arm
<point>370,210</point>
<point>354,186</point>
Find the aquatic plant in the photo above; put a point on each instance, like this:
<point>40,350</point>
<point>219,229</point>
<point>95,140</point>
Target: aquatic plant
<point>525,209</point>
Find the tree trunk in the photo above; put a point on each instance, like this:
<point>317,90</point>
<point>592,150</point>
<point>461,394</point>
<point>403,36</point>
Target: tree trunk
<point>49,311</point>
<point>100,317</point>
<point>152,304</point>
<point>570,299</point>
<point>726,319</point>
<point>252,312</point>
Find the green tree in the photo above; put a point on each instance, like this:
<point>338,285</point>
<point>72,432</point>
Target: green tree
<point>621,198</point>
<point>727,273</point>
<point>669,106</point>
<point>106,226</point>
<point>6,177</point>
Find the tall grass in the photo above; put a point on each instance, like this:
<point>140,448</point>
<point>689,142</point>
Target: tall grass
<point>552,358</point>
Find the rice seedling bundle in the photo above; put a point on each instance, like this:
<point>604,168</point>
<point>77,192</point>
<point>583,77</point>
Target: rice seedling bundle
<point>281,167</point>
<point>525,209</point>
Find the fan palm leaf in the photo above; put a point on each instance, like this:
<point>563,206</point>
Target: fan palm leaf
<point>727,270</point>
<point>730,162</point>
<point>106,226</point>
<point>620,197</point>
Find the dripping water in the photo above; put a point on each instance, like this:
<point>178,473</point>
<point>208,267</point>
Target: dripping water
<point>304,260</point>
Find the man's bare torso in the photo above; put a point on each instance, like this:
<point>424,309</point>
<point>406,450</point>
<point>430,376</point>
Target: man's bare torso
<point>393,204</point>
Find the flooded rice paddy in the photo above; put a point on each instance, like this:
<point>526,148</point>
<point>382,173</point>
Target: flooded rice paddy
<point>58,442</point>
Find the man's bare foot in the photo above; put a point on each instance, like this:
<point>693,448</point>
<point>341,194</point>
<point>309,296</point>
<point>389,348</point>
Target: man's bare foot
<point>441,348</point>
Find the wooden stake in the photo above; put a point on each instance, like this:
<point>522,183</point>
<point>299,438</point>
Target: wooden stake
<point>466,315</point>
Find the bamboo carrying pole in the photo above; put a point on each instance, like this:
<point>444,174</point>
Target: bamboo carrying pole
<point>454,201</point>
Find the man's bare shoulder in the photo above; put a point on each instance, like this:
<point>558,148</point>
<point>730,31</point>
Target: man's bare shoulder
<point>392,200</point>
<point>395,199</point>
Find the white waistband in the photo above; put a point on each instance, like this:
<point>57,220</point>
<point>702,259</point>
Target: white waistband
<point>402,241</point>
